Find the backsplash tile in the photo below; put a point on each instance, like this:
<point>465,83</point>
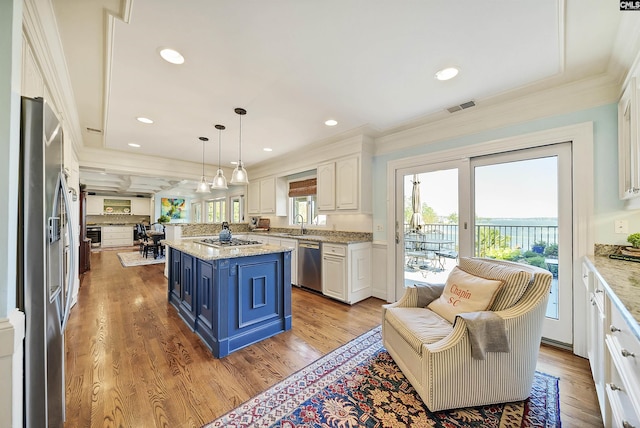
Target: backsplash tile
<point>606,249</point>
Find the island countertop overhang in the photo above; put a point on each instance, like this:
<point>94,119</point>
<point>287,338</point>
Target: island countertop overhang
<point>205,252</point>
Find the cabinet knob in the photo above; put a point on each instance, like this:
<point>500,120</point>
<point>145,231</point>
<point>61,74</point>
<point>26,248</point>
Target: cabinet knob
<point>626,353</point>
<point>598,290</point>
<point>586,275</point>
<point>614,387</point>
<point>593,301</point>
<point>613,328</point>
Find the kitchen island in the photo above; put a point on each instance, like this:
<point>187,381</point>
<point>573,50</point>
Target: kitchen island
<point>231,297</point>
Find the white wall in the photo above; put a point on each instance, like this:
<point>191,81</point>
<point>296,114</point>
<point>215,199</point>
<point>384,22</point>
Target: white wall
<point>11,320</point>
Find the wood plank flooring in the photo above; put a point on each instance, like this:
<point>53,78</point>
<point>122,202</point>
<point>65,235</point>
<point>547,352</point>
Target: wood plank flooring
<point>132,362</point>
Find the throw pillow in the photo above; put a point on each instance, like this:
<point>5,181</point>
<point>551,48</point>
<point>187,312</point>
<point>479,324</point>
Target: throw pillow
<point>464,292</point>
<point>427,293</point>
<point>516,279</point>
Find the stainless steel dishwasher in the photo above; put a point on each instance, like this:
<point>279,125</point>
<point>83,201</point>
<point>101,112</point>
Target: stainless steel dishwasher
<point>310,265</point>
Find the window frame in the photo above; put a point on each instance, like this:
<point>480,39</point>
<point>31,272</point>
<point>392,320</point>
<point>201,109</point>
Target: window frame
<point>213,207</point>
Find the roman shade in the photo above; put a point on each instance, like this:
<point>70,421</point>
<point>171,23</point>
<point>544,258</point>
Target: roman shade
<point>303,188</point>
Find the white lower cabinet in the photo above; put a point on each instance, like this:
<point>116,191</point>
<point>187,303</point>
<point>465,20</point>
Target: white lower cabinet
<point>614,355</point>
<point>288,243</point>
<point>117,236</point>
<point>334,271</point>
<point>346,271</point>
<point>293,244</point>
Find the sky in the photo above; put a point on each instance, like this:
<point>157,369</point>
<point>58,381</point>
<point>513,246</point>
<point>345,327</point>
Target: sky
<point>523,189</point>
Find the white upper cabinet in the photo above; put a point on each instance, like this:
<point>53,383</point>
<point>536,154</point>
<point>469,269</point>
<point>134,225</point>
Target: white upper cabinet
<point>95,205</point>
<point>253,197</point>
<point>326,193</point>
<point>629,142</point>
<point>345,185</point>
<point>267,196</point>
<point>141,206</point>
<point>137,206</point>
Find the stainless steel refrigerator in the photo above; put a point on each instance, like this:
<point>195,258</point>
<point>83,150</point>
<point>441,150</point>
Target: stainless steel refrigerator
<point>46,259</point>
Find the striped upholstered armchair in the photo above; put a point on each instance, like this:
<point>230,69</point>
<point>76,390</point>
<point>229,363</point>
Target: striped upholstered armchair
<point>458,360</point>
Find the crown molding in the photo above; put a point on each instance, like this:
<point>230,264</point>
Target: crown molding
<point>41,32</point>
<point>119,162</point>
<point>625,55</point>
<point>492,113</point>
<point>309,157</point>
<point>110,23</point>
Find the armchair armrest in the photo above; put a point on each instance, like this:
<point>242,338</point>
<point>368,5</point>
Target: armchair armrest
<point>415,296</point>
<point>418,296</point>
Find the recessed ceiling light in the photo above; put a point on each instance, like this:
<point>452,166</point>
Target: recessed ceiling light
<point>268,149</point>
<point>234,162</point>
<point>447,73</point>
<point>331,122</point>
<point>172,56</point>
<point>144,120</point>
<point>134,145</point>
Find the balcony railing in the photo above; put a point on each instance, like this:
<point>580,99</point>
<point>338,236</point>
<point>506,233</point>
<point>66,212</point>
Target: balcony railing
<point>493,237</point>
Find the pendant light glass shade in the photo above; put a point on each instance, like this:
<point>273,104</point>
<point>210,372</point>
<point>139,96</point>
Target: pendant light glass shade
<point>203,186</point>
<point>239,175</point>
<point>219,181</point>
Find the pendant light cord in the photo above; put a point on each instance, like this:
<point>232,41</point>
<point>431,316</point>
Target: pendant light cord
<point>219,146</point>
<point>203,159</point>
<point>240,145</point>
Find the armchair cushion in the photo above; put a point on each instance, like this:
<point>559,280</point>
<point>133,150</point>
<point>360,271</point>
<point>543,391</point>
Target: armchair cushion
<point>418,326</point>
<point>516,279</point>
<point>465,292</point>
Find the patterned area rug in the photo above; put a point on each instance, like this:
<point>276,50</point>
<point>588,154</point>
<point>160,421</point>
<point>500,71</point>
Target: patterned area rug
<point>134,258</point>
<point>359,384</point>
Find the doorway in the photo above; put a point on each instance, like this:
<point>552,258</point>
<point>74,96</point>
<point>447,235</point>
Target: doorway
<point>514,205</point>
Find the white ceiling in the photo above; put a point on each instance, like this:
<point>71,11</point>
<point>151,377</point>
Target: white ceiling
<point>369,64</point>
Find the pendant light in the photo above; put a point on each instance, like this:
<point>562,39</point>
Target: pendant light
<point>239,175</point>
<point>219,182</point>
<point>203,186</point>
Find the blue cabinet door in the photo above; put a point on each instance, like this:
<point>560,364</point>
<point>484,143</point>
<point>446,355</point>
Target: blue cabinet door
<point>259,304</point>
<point>187,307</point>
<point>175,278</point>
<point>207,298</point>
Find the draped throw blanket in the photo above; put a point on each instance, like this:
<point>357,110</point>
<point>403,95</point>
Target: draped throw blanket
<point>487,333</point>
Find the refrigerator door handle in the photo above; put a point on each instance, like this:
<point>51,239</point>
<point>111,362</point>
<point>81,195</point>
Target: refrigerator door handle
<point>53,229</point>
<point>72,251</point>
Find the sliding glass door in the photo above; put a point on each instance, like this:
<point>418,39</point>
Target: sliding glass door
<point>429,226</point>
<point>522,212</point>
<point>511,206</point>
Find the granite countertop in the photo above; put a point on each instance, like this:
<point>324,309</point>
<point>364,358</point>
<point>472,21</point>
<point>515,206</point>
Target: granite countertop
<point>205,252</point>
<point>333,239</point>
<point>111,224</point>
<point>623,280</point>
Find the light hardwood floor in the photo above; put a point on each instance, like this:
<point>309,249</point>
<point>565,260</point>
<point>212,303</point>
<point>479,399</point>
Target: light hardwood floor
<point>132,362</point>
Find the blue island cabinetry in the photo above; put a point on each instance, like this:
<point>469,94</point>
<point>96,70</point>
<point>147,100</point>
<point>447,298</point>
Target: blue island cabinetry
<point>232,302</point>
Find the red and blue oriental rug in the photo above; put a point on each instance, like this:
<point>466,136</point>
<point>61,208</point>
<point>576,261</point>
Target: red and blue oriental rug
<point>359,385</point>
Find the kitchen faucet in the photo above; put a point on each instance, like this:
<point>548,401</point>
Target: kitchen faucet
<point>301,223</point>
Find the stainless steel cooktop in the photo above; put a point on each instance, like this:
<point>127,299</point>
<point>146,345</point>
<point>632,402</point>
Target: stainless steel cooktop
<point>216,243</point>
